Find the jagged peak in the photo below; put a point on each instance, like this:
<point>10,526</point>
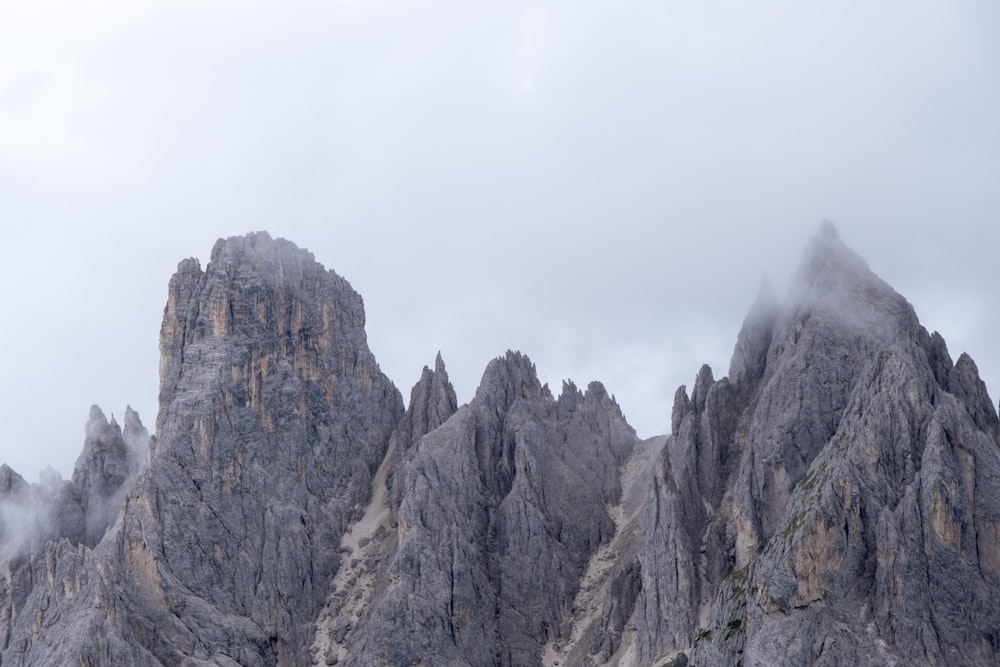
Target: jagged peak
<point>570,392</point>
<point>96,414</point>
<point>965,383</point>
<point>702,384</point>
<point>682,404</point>
<point>937,356</point>
<point>271,261</point>
<point>750,351</point>
<point>596,391</point>
<point>98,424</point>
<point>433,382</point>
<point>132,421</point>
<point>508,378</point>
<point>965,359</point>
<point>569,398</point>
<point>827,255</point>
<point>835,289</point>
<point>432,402</point>
<point>10,480</point>
<point>190,265</point>
<point>827,229</point>
<point>258,244</point>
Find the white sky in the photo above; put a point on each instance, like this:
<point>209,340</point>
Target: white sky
<point>600,185</point>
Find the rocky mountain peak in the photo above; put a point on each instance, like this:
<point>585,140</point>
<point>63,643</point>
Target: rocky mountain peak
<point>274,418</point>
<point>103,475</point>
<point>106,461</point>
<point>788,487</point>
<point>837,287</point>
<point>507,379</point>
<point>834,500</point>
<point>10,481</point>
<point>703,382</point>
<point>754,340</point>
<point>432,402</point>
<point>964,382</point>
<point>827,254</point>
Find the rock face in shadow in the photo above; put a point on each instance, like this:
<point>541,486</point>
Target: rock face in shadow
<point>834,500</point>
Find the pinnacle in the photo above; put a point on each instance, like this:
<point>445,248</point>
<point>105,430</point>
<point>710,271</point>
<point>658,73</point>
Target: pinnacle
<point>827,229</point>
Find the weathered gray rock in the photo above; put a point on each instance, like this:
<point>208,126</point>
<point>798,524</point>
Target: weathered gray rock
<point>57,597</point>
<point>273,418</point>
<point>839,510</point>
<point>834,500</point>
<point>82,508</point>
<point>432,403</point>
<point>500,509</point>
<point>103,475</point>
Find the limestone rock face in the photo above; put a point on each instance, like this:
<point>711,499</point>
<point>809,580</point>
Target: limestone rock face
<point>432,402</point>
<point>55,596</point>
<point>273,418</point>
<point>834,500</point>
<point>500,509</point>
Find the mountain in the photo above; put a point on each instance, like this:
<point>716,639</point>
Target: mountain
<point>834,499</point>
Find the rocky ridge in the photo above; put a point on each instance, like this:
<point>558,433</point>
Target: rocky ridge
<point>835,498</point>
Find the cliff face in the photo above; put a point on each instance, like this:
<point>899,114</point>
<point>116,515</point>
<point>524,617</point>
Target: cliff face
<point>835,499</point>
<point>55,595</point>
<point>500,508</point>
<point>273,418</point>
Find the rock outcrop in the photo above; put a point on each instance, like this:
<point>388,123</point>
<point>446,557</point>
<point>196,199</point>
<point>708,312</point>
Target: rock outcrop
<point>54,593</point>
<point>273,419</point>
<point>500,508</point>
<point>835,499</point>
<point>103,475</point>
<point>83,508</point>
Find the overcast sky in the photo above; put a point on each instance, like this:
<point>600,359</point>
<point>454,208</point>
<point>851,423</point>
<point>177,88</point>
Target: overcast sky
<point>601,185</point>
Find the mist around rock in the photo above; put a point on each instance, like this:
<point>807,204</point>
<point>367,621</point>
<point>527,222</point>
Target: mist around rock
<point>834,499</point>
<point>82,508</point>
